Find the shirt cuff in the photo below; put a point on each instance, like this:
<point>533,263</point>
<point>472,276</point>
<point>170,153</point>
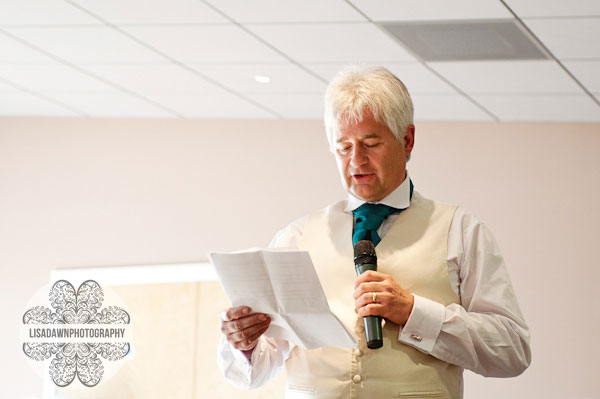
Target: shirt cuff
<point>239,356</point>
<point>424,324</point>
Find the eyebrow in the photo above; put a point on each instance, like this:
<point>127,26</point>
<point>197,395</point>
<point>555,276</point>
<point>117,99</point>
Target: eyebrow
<point>368,136</point>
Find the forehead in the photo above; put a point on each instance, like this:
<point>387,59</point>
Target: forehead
<point>364,129</point>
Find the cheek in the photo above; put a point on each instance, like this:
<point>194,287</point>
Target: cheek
<point>342,164</point>
<point>394,164</point>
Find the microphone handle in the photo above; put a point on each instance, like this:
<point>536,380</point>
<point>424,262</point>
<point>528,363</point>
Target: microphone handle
<point>373,331</point>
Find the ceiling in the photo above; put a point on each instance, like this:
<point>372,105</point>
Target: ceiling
<point>201,59</point>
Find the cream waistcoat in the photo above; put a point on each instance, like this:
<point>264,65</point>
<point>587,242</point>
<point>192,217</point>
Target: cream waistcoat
<point>414,252</point>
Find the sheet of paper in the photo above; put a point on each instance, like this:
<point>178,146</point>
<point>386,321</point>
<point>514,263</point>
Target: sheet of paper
<point>284,285</point>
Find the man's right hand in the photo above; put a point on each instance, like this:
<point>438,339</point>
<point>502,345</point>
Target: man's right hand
<point>242,329</point>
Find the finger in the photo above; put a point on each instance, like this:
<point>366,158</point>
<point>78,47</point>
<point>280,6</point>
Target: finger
<point>367,298</point>
<point>372,309</point>
<point>369,275</point>
<point>248,333</point>
<point>368,287</point>
<point>249,343</point>
<point>243,323</point>
<point>235,313</point>
<point>256,336</point>
<point>244,345</point>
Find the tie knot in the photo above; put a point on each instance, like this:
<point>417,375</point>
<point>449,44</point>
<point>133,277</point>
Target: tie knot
<point>373,213</point>
<point>368,218</point>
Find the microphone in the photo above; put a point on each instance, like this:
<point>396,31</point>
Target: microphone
<point>366,259</point>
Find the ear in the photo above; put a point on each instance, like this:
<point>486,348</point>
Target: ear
<point>409,139</point>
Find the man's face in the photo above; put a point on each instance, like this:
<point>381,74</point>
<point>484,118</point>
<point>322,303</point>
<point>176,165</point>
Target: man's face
<point>372,163</point>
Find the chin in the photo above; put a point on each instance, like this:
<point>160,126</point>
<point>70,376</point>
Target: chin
<point>363,196</point>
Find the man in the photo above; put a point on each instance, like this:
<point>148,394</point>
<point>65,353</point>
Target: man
<point>441,287</point>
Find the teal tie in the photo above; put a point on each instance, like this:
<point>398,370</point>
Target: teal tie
<point>368,218</point>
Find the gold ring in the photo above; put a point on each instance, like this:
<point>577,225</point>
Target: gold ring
<point>374,297</point>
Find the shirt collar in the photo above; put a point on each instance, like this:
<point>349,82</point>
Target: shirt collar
<point>399,198</point>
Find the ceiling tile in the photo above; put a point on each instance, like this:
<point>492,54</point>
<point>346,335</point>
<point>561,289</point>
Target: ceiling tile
<point>87,44</point>
<point>210,44</point>
<point>50,77</point>
<point>284,78</point>
<point>542,108</point>
<point>343,42</point>
<point>15,52</point>
<point>288,11</point>
<point>153,77</point>
<point>4,87</point>
<point>507,77</point>
<point>297,106</point>
<point>412,10</point>
<point>114,104</point>
<point>568,38</point>
<point>18,103</point>
<point>197,105</point>
<point>46,12</point>
<point>329,70</point>
<point>587,72</point>
<point>447,108</point>
<point>152,11</point>
<point>420,80</point>
<point>417,78</point>
<point>554,8</point>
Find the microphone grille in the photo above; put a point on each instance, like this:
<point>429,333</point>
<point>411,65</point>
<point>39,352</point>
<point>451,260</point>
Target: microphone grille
<point>364,252</point>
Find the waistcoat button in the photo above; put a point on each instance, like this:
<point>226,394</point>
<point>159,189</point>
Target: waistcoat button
<point>357,378</point>
<point>358,353</point>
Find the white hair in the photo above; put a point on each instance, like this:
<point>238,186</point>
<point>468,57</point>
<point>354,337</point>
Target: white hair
<point>356,89</point>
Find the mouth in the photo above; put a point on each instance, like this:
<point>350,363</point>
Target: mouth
<point>363,177</point>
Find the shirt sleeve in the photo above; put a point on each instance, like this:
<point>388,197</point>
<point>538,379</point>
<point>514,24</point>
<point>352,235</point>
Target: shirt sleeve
<point>267,362</point>
<point>486,333</point>
<point>269,355</point>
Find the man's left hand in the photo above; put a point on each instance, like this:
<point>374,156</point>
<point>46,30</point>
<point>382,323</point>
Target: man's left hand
<point>393,302</point>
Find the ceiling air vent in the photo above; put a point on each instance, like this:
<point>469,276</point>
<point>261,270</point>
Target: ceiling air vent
<point>467,40</point>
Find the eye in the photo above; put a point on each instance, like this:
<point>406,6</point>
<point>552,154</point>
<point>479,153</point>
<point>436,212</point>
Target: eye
<point>372,145</point>
<point>344,149</point>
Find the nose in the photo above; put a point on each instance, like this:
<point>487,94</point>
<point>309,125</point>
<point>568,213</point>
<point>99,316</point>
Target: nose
<point>359,157</point>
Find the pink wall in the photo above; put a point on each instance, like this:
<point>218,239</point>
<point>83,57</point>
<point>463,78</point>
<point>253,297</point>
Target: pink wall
<point>90,192</point>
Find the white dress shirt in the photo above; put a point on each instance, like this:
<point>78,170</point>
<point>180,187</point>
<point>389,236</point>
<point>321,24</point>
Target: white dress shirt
<point>485,333</point>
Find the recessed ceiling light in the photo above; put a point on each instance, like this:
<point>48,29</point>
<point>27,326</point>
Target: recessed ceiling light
<point>262,79</point>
